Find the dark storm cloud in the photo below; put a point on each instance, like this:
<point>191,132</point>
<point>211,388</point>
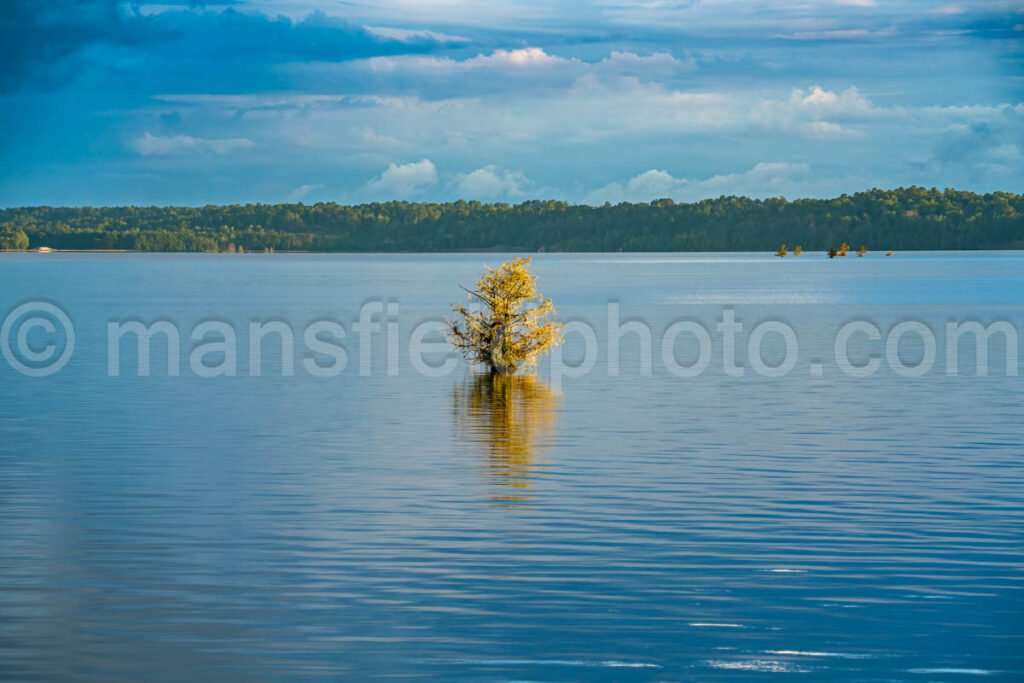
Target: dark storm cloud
<point>38,38</point>
<point>44,45</point>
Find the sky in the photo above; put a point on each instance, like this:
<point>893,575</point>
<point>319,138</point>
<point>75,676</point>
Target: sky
<point>188,103</point>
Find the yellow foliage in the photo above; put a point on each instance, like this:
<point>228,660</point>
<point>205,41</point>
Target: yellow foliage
<point>798,250</point>
<point>513,325</point>
<point>511,418</point>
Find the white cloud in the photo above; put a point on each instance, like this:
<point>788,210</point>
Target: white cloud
<point>153,145</point>
<point>374,139</point>
<point>252,101</point>
<point>524,57</point>
<point>491,182</point>
<point>528,57</point>
<point>655,60</point>
<point>403,180</point>
<point>827,129</point>
<point>814,112</point>
<point>842,34</point>
<point>847,101</point>
<point>516,69</point>
<point>649,185</point>
<point>407,35</point>
<point>765,179</point>
<point>598,108</point>
<point>302,191</point>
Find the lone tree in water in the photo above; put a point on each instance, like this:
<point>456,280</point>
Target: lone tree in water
<point>514,324</point>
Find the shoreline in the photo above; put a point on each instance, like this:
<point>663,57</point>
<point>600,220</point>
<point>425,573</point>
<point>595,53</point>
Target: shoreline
<point>766,252</point>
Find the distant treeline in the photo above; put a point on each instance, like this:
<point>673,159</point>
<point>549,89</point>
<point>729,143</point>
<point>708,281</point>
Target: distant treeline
<point>904,219</point>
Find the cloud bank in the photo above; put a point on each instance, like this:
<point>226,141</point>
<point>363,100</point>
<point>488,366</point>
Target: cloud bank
<point>110,102</point>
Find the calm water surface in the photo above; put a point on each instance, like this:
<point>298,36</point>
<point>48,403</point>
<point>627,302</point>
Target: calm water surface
<point>630,528</point>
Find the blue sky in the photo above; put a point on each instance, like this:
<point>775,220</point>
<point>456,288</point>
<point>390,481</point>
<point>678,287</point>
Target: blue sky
<point>107,103</point>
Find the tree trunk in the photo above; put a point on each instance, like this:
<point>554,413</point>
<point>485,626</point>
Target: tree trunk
<point>499,366</point>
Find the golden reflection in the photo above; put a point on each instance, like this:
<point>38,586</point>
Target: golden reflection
<point>511,418</point>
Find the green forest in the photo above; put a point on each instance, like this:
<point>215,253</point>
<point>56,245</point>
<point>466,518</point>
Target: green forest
<point>911,218</point>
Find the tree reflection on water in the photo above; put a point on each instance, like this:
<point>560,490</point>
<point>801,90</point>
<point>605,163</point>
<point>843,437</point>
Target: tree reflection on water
<point>511,419</point>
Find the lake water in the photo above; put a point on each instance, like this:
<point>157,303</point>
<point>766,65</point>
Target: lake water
<point>608,526</point>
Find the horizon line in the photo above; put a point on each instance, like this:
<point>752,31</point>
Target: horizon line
<point>607,204</point>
